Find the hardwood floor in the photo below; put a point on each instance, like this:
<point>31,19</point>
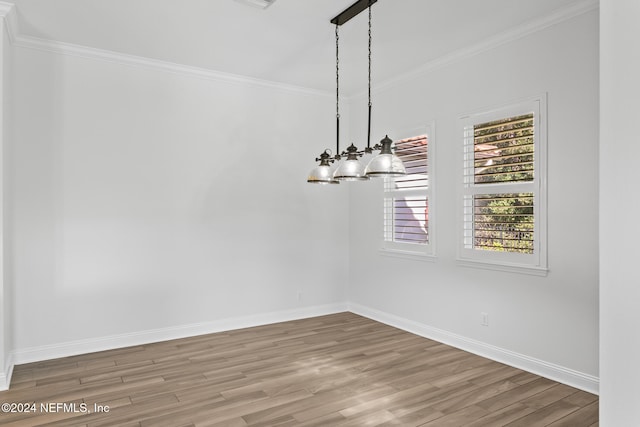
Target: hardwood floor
<point>337,370</point>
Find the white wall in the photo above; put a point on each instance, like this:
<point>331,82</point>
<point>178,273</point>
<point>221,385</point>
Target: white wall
<point>4,302</point>
<point>147,200</point>
<point>619,207</point>
<point>552,319</point>
<point>127,218</point>
<point>6,251</point>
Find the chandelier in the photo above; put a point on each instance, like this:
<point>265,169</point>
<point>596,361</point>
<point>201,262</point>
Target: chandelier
<point>386,163</point>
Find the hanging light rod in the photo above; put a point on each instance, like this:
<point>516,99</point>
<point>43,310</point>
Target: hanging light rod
<point>352,11</point>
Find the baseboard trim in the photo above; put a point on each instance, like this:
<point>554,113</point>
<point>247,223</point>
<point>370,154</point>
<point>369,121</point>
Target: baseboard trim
<point>73,348</point>
<point>552,371</point>
<point>6,373</point>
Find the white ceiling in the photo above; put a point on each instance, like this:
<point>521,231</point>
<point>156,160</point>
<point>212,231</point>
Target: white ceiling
<point>290,42</point>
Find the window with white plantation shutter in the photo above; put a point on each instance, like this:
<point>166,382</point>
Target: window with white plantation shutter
<point>504,196</point>
<point>407,220</point>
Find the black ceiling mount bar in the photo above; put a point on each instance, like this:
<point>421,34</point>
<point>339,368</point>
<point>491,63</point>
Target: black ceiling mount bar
<point>352,11</point>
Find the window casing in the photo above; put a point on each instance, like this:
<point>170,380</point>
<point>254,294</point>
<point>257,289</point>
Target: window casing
<point>408,200</point>
<point>503,201</point>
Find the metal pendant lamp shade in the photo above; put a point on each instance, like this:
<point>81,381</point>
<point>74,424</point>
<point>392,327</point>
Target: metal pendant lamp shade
<point>322,173</point>
<point>386,163</point>
<point>351,169</point>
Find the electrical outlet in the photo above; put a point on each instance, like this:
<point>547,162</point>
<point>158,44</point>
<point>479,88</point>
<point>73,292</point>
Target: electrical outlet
<point>484,319</point>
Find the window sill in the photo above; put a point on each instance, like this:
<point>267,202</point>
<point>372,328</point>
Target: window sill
<point>413,255</point>
<point>510,268</point>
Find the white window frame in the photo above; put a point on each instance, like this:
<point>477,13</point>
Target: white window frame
<point>426,251</point>
<point>535,263</point>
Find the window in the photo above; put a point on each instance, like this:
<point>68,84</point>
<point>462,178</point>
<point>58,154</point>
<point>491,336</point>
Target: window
<point>504,198</point>
<point>408,200</point>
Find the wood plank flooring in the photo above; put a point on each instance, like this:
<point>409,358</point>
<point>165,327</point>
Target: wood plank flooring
<point>337,370</point>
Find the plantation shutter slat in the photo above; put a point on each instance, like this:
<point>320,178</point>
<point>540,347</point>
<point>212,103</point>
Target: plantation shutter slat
<point>409,219</point>
<point>503,222</point>
<point>413,153</point>
<point>503,150</point>
<point>406,217</point>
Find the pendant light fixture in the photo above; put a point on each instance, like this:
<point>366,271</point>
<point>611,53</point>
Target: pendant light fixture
<point>384,164</point>
<point>350,169</point>
<point>322,173</point>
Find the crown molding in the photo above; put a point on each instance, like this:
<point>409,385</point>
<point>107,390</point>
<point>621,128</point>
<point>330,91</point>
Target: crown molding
<point>561,15</point>
<point>87,52</point>
<point>10,17</point>
<point>6,8</point>
<point>8,13</point>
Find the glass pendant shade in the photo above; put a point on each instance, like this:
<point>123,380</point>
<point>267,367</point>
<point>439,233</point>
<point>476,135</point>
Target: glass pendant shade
<point>351,169</point>
<point>386,163</point>
<point>322,173</point>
